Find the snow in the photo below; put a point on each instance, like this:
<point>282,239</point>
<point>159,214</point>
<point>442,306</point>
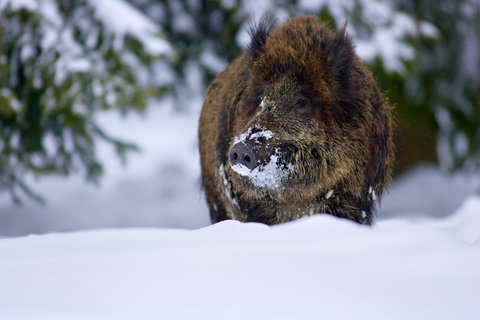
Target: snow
<point>267,134</point>
<point>329,194</point>
<point>19,4</point>
<point>243,136</point>
<point>428,30</point>
<point>261,133</point>
<point>421,260</point>
<point>425,192</point>
<point>318,267</point>
<point>465,221</point>
<point>152,189</point>
<point>268,175</point>
<point>128,20</point>
<point>213,62</point>
<point>148,191</point>
<point>387,29</point>
<point>10,96</point>
<point>241,169</point>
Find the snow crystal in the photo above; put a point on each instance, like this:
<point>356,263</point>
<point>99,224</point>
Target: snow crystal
<point>242,137</point>
<point>221,171</point>
<point>267,134</point>
<point>262,103</point>
<point>241,169</point>
<point>372,192</point>
<point>329,194</point>
<point>264,133</point>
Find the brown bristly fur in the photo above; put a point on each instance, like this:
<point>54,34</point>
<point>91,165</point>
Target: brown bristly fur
<point>340,144</point>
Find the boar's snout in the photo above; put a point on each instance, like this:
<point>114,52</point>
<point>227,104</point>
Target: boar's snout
<point>244,155</point>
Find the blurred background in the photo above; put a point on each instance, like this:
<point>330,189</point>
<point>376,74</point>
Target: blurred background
<point>99,103</point>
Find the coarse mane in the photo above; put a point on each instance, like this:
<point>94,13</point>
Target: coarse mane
<point>259,32</point>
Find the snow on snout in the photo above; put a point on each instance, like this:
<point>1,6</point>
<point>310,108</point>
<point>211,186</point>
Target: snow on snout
<point>267,134</point>
<point>267,176</point>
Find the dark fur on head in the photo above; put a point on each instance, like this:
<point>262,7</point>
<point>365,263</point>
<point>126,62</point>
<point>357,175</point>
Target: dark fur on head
<point>343,51</point>
<point>258,33</point>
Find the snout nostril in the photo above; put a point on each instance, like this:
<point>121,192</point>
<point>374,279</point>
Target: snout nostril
<point>243,155</point>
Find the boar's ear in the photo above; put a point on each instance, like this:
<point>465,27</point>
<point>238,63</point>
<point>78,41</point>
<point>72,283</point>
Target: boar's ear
<point>259,33</point>
<point>342,53</point>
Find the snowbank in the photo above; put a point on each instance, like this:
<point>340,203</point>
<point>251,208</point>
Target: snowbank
<point>159,187</point>
<point>317,268</point>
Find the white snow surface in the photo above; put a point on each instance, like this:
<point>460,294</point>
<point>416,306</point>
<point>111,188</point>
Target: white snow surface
<point>159,186</point>
<point>320,267</point>
<point>420,261</point>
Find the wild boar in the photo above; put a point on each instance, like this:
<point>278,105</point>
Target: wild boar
<point>295,126</point>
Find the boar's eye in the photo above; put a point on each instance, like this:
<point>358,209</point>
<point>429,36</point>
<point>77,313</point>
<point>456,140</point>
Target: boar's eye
<point>301,103</point>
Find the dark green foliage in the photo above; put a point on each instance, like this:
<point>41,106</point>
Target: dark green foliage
<point>436,101</point>
<point>202,32</point>
<point>55,75</point>
<point>442,87</point>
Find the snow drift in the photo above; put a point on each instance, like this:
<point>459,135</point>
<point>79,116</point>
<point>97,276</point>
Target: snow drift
<point>316,268</point>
